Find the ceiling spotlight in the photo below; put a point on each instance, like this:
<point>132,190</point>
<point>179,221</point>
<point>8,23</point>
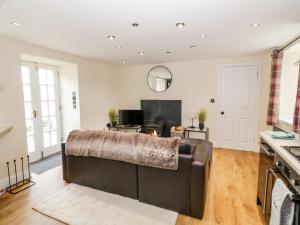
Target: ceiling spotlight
<point>124,61</point>
<point>141,53</point>
<point>202,35</point>
<point>118,47</point>
<point>168,52</point>
<point>180,24</point>
<point>135,24</point>
<point>15,23</point>
<point>255,24</point>
<point>193,46</point>
<point>111,37</point>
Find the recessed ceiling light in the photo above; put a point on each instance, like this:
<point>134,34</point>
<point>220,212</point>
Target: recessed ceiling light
<point>168,52</point>
<point>202,35</point>
<point>141,53</point>
<point>15,23</point>
<point>180,24</point>
<point>193,46</point>
<point>111,37</point>
<point>135,24</point>
<point>255,24</point>
<point>118,46</point>
<point>124,61</point>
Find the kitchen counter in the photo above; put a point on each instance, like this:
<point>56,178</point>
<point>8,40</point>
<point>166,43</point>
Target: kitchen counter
<point>276,146</point>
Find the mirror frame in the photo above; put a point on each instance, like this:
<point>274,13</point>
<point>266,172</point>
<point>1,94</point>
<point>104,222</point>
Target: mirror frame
<point>149,74</point>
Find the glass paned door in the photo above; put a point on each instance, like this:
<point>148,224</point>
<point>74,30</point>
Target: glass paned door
<point>40,91</point>
<point>49,108</point>
<point>27,93</point>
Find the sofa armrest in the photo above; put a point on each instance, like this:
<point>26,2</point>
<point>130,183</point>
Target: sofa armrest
<point>199,178</point>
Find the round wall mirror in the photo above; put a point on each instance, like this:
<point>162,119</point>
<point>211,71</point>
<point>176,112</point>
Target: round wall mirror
<point>159,78</point>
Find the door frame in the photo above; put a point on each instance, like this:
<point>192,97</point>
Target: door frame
<point>257,102</point>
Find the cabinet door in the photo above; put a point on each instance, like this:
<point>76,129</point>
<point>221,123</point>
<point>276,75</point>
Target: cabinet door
<point>265,164</point>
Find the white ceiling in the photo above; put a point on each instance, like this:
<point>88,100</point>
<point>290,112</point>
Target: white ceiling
<point>80,27</point>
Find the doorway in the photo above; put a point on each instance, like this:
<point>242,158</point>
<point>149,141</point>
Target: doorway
<point>238,107</point>
<point>41,104</point>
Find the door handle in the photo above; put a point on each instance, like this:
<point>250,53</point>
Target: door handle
<point>265,151</point>
<point>222,113</point>
<point>264,207</point>
<point>35,113</point>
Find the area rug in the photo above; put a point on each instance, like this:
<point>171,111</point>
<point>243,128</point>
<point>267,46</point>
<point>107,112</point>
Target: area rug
<point>80,205</point>
<point>46,164</point>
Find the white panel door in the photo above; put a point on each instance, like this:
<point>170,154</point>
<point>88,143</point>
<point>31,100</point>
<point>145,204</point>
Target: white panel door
<point>40,88</point>
<point>237,115</point>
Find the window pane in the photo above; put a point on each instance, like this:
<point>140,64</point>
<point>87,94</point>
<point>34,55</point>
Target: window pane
<point>25,75</point>
<point>288,84</point>
<point>53,125</point>
<point>29,127</point>
<point>54,138</point>
<point>27,92</point>
<point>28,110</point>
<point>46,138</point>
<point>50,77</point>
<point>42,76</point>
<point>52,108</point>
<point>51,92</point>
<point>30,144</point>
<point>44,93</point>
<point>45,109</point>
<point>45,124</point>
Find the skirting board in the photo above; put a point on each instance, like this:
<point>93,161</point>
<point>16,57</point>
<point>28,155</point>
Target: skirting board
<point>4,183</point>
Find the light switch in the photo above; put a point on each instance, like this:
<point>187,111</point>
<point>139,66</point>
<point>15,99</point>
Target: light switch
<point>1,87</point>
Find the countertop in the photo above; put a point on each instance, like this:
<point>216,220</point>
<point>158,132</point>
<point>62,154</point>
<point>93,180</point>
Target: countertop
<point>276,146</point>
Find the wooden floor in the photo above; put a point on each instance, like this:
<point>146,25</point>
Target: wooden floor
<point>231,199</point>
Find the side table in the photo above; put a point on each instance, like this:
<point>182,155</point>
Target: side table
<point>197,130</point>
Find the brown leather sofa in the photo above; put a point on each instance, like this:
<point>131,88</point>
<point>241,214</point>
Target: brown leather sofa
<point>183,190</point>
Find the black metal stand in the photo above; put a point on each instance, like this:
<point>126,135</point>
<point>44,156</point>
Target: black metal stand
<point>19,185</point>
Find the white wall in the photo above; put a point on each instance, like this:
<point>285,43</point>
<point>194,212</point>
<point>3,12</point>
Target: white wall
<point>194,82</point>
<point>97,91</point>
<point>68,83</point>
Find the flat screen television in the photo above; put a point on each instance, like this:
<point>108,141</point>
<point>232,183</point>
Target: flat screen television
<point>131,117</point>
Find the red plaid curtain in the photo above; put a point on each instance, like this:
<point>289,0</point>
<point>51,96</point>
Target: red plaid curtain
<point>296,121</point>
<point>275,88</point>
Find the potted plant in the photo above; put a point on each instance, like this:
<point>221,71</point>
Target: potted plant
<point>202,117</point>
<point>113,116</point>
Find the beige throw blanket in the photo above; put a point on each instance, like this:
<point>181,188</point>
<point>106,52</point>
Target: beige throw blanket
<point>141,149</point>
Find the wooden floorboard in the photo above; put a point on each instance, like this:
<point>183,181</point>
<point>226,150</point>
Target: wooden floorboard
<point>231,197</point>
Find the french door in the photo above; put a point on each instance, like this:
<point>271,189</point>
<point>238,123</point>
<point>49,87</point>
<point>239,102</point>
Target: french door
<point>40,91</point>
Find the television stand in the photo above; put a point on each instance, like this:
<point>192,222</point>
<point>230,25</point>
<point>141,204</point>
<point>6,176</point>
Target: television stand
<point>127,128</point>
